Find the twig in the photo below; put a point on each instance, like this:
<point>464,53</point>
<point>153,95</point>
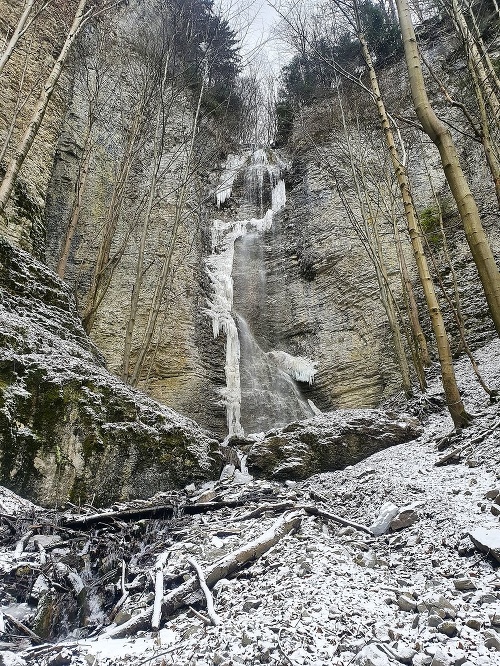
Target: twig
<point>204,619</point>
<point>173,648</point>
<point>34,637</point>
<point>289,659</point>
<point>452,455</point>
<point>124,596</point>
<point>312,510</point>
<point>214,618</point>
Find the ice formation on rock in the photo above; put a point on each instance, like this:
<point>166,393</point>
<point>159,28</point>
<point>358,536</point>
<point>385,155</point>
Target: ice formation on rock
<point>225,186</point>
<point>300,368</point>
<point>219,266</point>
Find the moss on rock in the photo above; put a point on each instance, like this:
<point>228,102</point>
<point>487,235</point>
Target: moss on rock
<point>69,430</point>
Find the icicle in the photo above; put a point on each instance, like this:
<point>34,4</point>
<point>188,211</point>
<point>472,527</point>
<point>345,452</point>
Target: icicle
<point>278,196</point>
<point>226,181</point>
<point>219,266</point>
<point>300,368</point>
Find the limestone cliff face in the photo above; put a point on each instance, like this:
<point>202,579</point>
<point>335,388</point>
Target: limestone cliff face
<point>183,365</point>
<point>21,82</point>
<point>317,294</point>
<point>323,298</point>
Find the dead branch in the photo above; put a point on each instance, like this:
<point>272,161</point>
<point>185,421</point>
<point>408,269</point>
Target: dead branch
<point>454,454</point>
<point>22,627</point>
<point>157,605</point>
<point>124,596</point>
<point>156,511</point>
<point>314,511</point>
<point>225,567</point>
<point>256,513</point>
<point>311,510</point>
<point>214,618</point>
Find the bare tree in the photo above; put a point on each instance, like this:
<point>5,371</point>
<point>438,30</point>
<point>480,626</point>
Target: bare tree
<point>82,16</point>
<point>441,137</point>
<point>27,18</point>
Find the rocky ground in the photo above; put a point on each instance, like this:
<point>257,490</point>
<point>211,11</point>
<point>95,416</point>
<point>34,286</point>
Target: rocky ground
<point>413,588</point>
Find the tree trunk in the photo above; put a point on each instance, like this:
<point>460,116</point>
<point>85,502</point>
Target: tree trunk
<point>167,262</point>
<point>139,275</point>
<point>421,353</point>
<point>453,399</point>
<point>481,52</point>
<point>22,26</point>
<point>77,205</point>
<point>441,137</point>
<point>104,264</point>
<point>26,142</point>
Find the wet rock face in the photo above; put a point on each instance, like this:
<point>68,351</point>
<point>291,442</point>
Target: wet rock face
<point>329,442</point>
<point>69,429</point>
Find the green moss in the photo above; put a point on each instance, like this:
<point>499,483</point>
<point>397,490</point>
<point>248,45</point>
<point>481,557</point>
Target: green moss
<point>430,222</point>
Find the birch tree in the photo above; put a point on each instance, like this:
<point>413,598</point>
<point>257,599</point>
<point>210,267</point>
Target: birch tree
<point>452,393</point>
<point>453,398</point>
<point>28,17</point>
<point>82,15</point>
<point>441,137</point>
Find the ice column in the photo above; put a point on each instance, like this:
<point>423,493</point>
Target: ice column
<point>219,266</point>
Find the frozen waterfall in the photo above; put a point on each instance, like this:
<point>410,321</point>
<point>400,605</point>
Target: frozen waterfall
<point>261,390</point>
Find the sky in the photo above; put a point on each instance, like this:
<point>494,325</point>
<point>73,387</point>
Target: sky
<point>255,21</point>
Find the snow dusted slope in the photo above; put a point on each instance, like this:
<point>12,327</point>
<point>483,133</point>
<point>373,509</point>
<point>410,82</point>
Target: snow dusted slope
<point>68,428</point>
<point>420,594</point>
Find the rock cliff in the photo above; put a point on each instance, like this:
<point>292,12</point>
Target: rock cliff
<point>69,430</point>
<point>317,295</point>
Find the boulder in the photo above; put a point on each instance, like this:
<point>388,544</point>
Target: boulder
<point>487,540</point>
<point>405,518</point>
<point>328,441</point>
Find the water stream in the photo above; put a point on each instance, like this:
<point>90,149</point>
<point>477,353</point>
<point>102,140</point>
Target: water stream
<point>261,389</point>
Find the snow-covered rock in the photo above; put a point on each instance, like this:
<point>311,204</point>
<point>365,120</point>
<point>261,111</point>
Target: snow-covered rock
<point>487,539</point>
<point>68,428</point>
<point>329,441</point>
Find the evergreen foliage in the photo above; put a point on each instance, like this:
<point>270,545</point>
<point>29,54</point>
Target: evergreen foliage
<point>311,74</point>
<point>207,49</point>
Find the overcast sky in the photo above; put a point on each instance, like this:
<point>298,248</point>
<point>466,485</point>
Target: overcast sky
<point>254,20</point>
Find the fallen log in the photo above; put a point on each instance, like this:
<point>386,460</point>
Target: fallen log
<point>314,511</point>
<point>226,566</point>
<point>310,509</point>
<point>156,511</point>
<point>214,618</point>
<point>22,627</point>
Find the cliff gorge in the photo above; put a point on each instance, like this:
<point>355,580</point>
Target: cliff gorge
<point>141,162</point>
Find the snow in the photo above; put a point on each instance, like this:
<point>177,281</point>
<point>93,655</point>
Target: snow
<point>380,525</point>
<point>11,504</point>
<point>490,537</point>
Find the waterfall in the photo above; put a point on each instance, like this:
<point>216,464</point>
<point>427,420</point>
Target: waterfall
<point>261,390</point>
